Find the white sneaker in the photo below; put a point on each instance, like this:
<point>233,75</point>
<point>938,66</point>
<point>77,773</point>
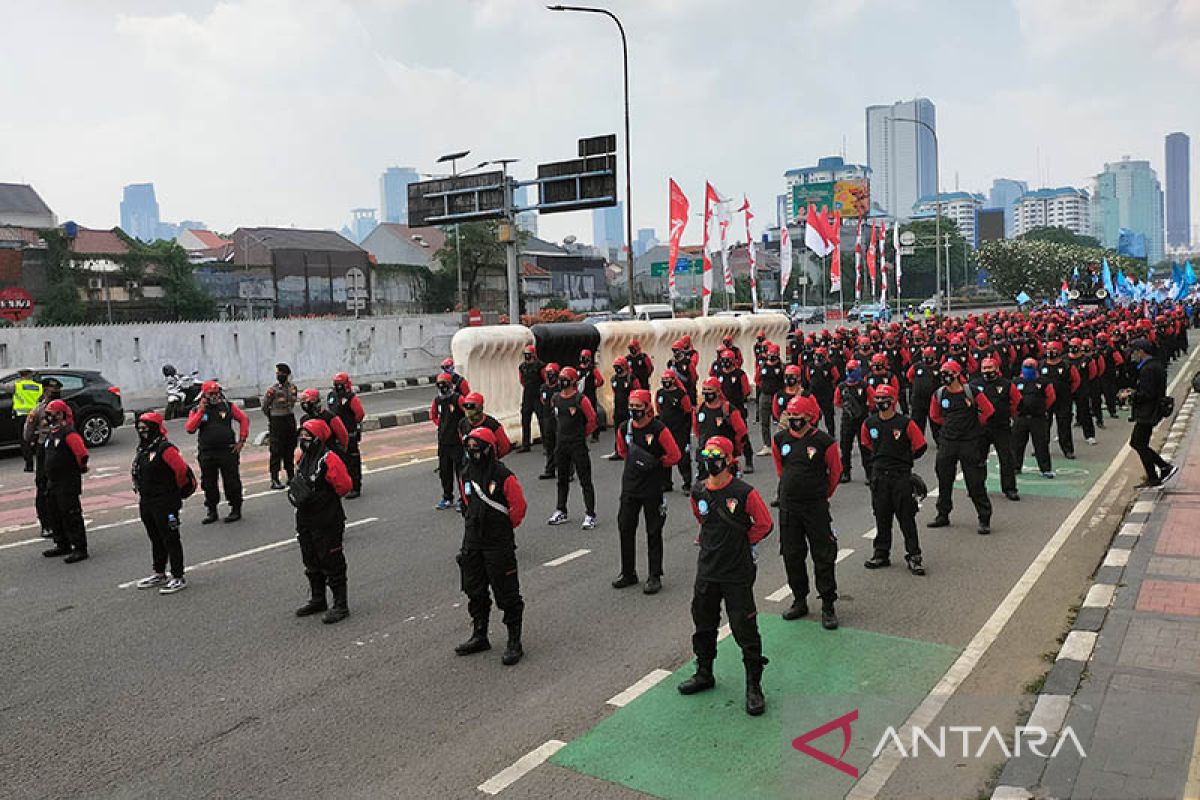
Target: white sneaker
<point>153,581</point>
<point>1091,440</point>
<point>174,585</point>
<point>589,522</point>
<point>557,518</point>
<point>765,451</point>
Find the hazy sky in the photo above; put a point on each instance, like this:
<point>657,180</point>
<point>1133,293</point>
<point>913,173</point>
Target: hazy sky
<point>286,111</point>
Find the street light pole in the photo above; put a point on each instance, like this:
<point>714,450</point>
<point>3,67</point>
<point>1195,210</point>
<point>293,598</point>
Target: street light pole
<point>628,167</point>
<point>937,220</point>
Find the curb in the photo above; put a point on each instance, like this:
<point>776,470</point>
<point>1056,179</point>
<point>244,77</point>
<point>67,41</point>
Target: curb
<point>1021,777</point>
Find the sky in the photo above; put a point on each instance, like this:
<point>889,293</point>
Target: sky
<point>285,112</point>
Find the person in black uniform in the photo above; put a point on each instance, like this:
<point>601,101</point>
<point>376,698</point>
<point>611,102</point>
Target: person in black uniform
<point>923,382</point>
<point>310,404</point>
<point>446,413</point>
<point>475,417</point>
<point>494,507</point>
<point>160,478</point>
<point>316,492</point>
<point>674,408</point>
<point>768,381</point>
<point>851,397</point>
<point>576,420</point>
<point>821,379</point>
<point>1033,418</point>
<point>37,430</point>
<point>997,431</point>
<point>962,412</point>
<point>733,520</point>
<point>649,450</point>
<point>623,383</point>
<point>219,449</point>
<point>640,364</point>
<point>344,402</point>
<point>590,380</point>
<point>1086,370</point>
<point>1146,400</point>
<point>809,467</point>
<point>546,422</point>
<point>735,385</point>
<point>530,373</point>
<point>66,459</point>
<point>1065,380</point>
<point>896,442</point>
<point>716,416</point>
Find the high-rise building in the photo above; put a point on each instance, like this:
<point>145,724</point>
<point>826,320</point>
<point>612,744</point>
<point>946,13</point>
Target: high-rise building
<point>526,220</point>
<point>646,240</point>
<point>1064,207</point>
<point>1179,206</point>
<point>362,222</point>
<point>1128,195</point>
<point>961,207</point>
<point>139,212</point>
<point>393,193</point>
<point>1005,192</point>
<point>608,230</point>
<point>902,156</point>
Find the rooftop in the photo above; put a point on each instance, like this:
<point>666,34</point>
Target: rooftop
<point>208,239</point>
<point>434,237</point>
<point>20,198</point>
<point>826,164</point>
<point>298,239</point>
<point>89,242</point>
<point>1047,193</point>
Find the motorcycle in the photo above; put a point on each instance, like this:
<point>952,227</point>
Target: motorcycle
<point>182,391</point>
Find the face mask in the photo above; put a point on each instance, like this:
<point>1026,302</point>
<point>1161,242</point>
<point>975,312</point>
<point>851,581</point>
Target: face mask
<point>633,351</point>
<point>339,387</point>
<point>477,455</point>
<point>619,371</point>
<point>145,434</point>
<point>443,388</point>
<point>798,425</point>
<point>991,376</point>
<point>212,399</point>
<point>790,380</point>
<point>883,405</point>
<point>714,466</point>
<point>947,378</point>
<point>309,408</point>
<point>449,368</point>
<point>637,413</point>
<point>668,385</point>
<point>529,356</point>
<point>854,375</point>
<point>726,363</point>
<point>280,377</point>
<point>564,384</point>
<point>305,444</point>
<point>1028,373</point>
<point>710,398</point>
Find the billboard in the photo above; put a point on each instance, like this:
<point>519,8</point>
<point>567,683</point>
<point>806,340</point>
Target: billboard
<point>850,198</point>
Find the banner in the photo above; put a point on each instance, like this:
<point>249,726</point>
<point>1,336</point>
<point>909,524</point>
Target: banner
<point>858,262</point>
<point>751,256</point>
<point>835,266</point>
<point>724,220</point>
<point>871,261</point>
<point>896,247</point>
<point>710,195</point>
<point>818,236</point>
<point>678,210</point>
<point>785,262</point>
<point>883,262</point>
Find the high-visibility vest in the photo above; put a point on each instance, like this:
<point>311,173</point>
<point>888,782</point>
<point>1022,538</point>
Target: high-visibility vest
<point>26,394</point>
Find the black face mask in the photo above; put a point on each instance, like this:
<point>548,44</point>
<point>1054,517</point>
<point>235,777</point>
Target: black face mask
<point>883,405</point>
<point>339,387</point>
<point>637,413</point>
<point>306,444</point>
<point>990,376</point>
<point>668,385</point>
<point>619,371</point>
<point>790,380</point>
<point>564,384</point>
<point>529,356</point>
<point>709,398</point>
<point>726,363</point>
<point>147,435</point>
<point>443,388</point>
<point>946,378</point>
<point>280,377</point>
<point>309,408</point>
<point>798,425</point>
<point>478,455</point>
<point>714,466</point>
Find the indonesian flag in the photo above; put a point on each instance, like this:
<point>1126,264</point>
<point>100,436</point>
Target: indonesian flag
<point>710,197</point>
<point>896,245</point>
<point>871,260</point>
<point>785,261</point>
<point>751,256</point>
<point>858,261</point>
<point>882,259</point>
<point>678,217</point>
<point>835,266</point>
<point>818,235</point>
<point>724,220</point>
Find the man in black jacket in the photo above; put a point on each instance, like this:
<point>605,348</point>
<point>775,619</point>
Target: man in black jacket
<point>1146,401</point>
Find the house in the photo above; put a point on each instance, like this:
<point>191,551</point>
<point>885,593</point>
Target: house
<point>393,243</point>
<point>312,272</point>
<point>22,260</point>
<point>580,280</point>
<point>537,287</point>
<point>22,207</point>
<point>203,245</point>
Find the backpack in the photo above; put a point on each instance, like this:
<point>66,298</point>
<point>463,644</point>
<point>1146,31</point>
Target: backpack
<point>189,489</point>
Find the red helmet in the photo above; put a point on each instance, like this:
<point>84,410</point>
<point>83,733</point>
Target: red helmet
<point>685,339</point>
<point>804,406</point>
<point>317,428</point>
<point>952,367</point>
<point>585,354</point>
<point>722,445</point>
<point>447,363</point>
<point>640,395</point>
<point>310,395</point>
<point>711,383</point>
<point>852,365</point>
<point>531,349</point>
<point>727,354</point>
<point>669,375</point>
<point>957,339</point>
<point>152,418</point>
<point>822,350</point>
<point>445,377</point>
<point>621,361</point>
<point>552,368</point>
<point>634,345</point>
<point>792,369</point>
<point>879,360</point>
<point>482,434</point>
<point>208,387</point>
<point>341,377</point>
<point>473,399</point>
<point>569,373</point>
<point>773,349</point>
<point>886,390</point>
<point>1054,347</point>
<point>761,334</point>
<point>1075,343</point>
<point>929,352</point>
<point>989,364</point>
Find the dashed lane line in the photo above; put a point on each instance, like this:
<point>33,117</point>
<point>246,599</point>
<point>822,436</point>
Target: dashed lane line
<point>785,591</point>
<point>633,692</point>
<point>558,562</point>
<point>526,763</point>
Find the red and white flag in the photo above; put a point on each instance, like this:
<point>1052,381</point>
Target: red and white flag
<point>871,261</point>
<point>818,235</point>
<point>751,256</point>
<point>896,246</point>
<point>785,261</point>
<point>882,259</point>
<point>678,216</point>
<point>724,220</point>
<point>710,197</point>
<point>858,261</point>
<point>835,266</point>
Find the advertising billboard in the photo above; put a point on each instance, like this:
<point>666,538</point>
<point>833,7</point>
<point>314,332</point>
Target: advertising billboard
<point>850,198</point>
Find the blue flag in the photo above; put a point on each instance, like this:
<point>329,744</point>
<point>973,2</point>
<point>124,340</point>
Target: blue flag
<point>1106,276</point>
<point>1187,279</point>
<point>1023,298</point>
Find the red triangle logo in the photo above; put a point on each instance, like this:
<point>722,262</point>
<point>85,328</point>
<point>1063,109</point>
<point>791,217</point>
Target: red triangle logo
<point>842,723</point>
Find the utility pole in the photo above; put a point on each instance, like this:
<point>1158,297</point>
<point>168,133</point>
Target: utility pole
<point>937,220</point>
<point>509,236</point>
<point>946,244</point>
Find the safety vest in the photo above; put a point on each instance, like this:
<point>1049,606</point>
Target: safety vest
<point>26,394</point>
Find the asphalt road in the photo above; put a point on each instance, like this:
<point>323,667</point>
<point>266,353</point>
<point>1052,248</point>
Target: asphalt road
<point>219,691</point>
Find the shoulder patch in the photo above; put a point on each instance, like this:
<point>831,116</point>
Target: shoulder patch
<point>783,451</point>
<point>702,507</point>
<point>874,432</point>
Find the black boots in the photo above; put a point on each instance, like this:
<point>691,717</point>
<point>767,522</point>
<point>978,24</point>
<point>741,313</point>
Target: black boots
<point>339,610</point>
<point>56,551</point>
<point>798,609</point>
<point>702,680</point>
<point>316,601</point>
<point>76,557</point>
<point>756,704</point>
<point>829,620</point>
<point>478,641</point>
<point>235,513</point>
<point>211,517</point>
<point>513,650</point>
<point>275,484</point>
<point>940,521</point>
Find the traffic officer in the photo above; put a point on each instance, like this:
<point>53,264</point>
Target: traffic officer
<point>310,404</point>
<point>715,416</point>
<point>590,379</point>
<point>674,408</point>
<point>26,394</point>
<point>546,421</point>
<point>623,383</point>
<point>530,373</point>
<point>852,398</point>
<point>161,479</point>
<point>736,388</point>
<point>962,411</point>
<point>896,442</point>
<point>809,466</point>
<point>494,507</point>
<point>37,430</point>
<point>66,459</point>
<point>1033,417</point>
<point>576,420</point>
<point>344,402</point>
<point>997,432</point>
<point>446,412</point>
<point>767,382</point>
<point>648,449</point>
<point>474,417</point>
<point>1065,380</point>
<point>733,520</point>
<point>218,449</point>
<point>316,492</point>
<point>277,404</point>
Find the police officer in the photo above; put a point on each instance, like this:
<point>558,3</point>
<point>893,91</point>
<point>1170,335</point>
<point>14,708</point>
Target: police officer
<point>962,411</point>
<point>1033,417</point>
<point>809,466</point>
<point>66,459</point>
<point>345,403</point>
<point>161,478</point>
<point>310,404</point>
<point>446,412</point>
<point>623,383</point>
<point>475,417</point>
<point>852,398</point>
<point>896,442</point>
<point>277,405</point>
<point>530,373</point>
<point>733,520</point>
<point>316,492</point>
<point>26,394</point>
<point>218,449</point>
<point>674,408</point>
<point>575,420</point>
<point>494,507</point>
<point>37,430</point>
<point>716,416</point>
<point>997,432</point>
<point>546,421</point>
<point>648,449</point>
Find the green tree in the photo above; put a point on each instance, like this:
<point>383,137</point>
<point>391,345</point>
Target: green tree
<point>182,294</point>
<point>919,270</point>
<point>1038,268</point>
<point>480,247</point>
<point>1059,235</point>
<point>60,302</point>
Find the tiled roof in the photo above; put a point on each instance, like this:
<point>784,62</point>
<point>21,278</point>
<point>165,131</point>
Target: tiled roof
<point>434,236</point>
<point>26,235</point>
<point>20,197</point>
<point>531,270</point>
<point>208,238</point>
<point>92,242</point>
<point>300,239</point>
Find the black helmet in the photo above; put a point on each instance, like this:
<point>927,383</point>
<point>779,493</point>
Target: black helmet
<point>919,489</point>
<point>168,370</point>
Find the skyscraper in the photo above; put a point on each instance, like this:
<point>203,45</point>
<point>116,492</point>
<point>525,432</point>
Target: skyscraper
<point>526,220</point>
<point>902,156</point>
<point>1005,192</point>
<point>362,221</point>
<point>139,212</point>
<point>393,193</point>
<point>646,239</point>
<point>1179,207</point>
<point>608,229</point>
<point>1128,195</point>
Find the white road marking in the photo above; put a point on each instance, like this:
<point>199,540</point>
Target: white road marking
<point>1142,507</point>
<point>870,534</point>
<point>558,562</point>
<point>629,695</point>
<point>523,765</point>
<point>1130,529</point>
<point>23,542</point>
<point>723,632</point>
<point>785,591</point>
<point>876,776</point>
<point>843,554</point>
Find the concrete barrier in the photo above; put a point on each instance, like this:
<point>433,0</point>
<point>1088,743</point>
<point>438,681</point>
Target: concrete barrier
<point>614,341</point>
<point>488,356</point>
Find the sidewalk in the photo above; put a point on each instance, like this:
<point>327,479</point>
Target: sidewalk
<point>1127,679</point>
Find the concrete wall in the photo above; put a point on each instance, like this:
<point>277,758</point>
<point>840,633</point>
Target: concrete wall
<point>241,354</point>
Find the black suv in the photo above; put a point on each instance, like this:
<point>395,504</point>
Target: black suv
<point>95,402</point>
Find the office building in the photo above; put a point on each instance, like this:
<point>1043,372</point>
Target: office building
<point>960,207</point>
<point>362,222</point>
<point>608,231</point>
<point>831,184</point>
<point>901,155</point>
<point>1179,207</point>
<point>393,193</point>
<point>1005,192</point>
<point>646,240</point>
<point>1128,195</point>
<point>527,221</point>
<point>139,212</point>
<point>1064,207</point>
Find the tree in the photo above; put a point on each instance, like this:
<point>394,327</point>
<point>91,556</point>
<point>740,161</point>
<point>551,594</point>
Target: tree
<point>182,294</point>
<point>480,247</point>
<point>61,303</point>
<point>1058,235</point>
<point>1038,268</point>
<point>919,277</point>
